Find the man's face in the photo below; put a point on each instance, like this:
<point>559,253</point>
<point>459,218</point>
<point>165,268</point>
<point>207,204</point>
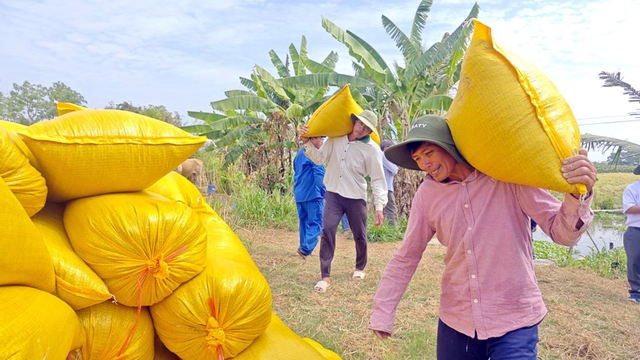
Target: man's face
<point>434,160</point>
<point>316,141</point>
<point>360,130</point>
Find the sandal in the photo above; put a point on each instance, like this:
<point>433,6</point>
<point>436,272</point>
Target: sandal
<point>303,256</point>
<point>358,275</point>
<point>321,286</point>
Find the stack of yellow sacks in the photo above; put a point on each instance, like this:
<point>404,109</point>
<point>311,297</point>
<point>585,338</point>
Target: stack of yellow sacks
<point>107,253</point>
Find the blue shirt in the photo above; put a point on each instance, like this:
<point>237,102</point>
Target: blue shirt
<point>390,170</point>
<point>308,179</point>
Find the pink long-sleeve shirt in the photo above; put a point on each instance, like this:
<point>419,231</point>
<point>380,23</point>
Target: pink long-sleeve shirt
<point>489,285</point>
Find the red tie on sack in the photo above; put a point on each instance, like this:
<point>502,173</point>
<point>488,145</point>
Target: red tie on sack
<point>160,269</point>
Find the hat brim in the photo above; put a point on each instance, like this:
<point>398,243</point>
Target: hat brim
<point>401,155</point>
<point>636,171</point>
<point>364,120</point>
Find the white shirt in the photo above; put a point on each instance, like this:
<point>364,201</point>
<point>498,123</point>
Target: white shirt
<point>631,197</point>
<point>349,163</point>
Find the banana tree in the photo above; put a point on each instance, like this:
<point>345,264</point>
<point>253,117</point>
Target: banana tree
<point>258,124</point>
<point>606,144</point>
<point>402,93</point>
<point>617,146</point>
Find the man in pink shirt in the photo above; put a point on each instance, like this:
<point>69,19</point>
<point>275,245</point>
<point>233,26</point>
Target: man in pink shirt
<point>490,304</point>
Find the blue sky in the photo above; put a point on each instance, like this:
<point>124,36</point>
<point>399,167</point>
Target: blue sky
<point>185,54</point>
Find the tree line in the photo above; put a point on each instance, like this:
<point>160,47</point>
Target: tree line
<point>31,103</point>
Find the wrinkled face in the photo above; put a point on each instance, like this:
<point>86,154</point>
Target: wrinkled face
<point>360,130</point>
<point>316,141</point>
<point>437,162</point>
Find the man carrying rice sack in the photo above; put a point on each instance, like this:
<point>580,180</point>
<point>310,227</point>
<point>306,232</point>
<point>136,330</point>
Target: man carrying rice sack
<point>490,304</point>
<point>351,158</point>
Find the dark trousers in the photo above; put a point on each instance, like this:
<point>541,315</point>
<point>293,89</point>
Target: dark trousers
<point>356,210</point>
<point>520,344</point>
<point>631,242</point>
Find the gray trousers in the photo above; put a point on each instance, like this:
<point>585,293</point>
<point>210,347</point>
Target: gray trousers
<point>390,211</point>
<point>356,210</point>
<point>631,242</point>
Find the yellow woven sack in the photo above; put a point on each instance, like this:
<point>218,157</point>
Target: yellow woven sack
<point>178,188</point>
<point>280,342</point>
<point>24,258</point>
<point>326,353</point>
<point>333,117</point>
<point>161,351</point>
<point>117,332</point>
<point>508,119</point>
<point>26,183</point>
<point>36,325</point>
<point>220,311</point>
<point>64,107</point>
<point>76,283</point>
<point>93,152</point>
<point>12,129</point>
<point>137,243</point>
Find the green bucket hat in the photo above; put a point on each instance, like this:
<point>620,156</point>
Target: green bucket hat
<point>430,128</point>
<point>368,118</point>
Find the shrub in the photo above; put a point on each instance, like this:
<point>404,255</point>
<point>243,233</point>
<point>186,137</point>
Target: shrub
<point>610,264</point>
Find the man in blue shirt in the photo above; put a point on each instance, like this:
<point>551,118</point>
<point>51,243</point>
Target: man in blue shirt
<point>308,189</point>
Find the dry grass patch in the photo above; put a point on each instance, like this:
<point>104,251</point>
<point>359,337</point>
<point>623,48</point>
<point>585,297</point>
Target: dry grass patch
<point>589,316</point>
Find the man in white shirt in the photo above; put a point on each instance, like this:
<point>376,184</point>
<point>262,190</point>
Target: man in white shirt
<point>351,158</point>
<point>631,238</point>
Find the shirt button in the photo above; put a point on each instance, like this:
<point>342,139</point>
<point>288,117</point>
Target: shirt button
<point>464,183</point>
<point>466,205</point>
<point>475,301</point>
<point>473,276</point>
<point>469,228</point>
<point>468,251</point>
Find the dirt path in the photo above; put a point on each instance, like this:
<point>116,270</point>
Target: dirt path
<point>589,316</point>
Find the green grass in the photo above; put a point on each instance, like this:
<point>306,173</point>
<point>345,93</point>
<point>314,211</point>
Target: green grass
<point>608,264</point>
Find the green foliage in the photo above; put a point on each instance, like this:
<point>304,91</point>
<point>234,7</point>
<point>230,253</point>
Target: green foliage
<point>255,125</point>
<point>153,111</point>
<point>258,208</point>
<point>609,264</point>
<point>605,168</point>
<point>611,220</point>
<point>30,103</point>
<point>550,251</point>
<point>605,204</point>
<point>386,233</point>
<point>251,206</point>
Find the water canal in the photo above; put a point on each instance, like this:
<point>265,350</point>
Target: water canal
<point>603,233</point>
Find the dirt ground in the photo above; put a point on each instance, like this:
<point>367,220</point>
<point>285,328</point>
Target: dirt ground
<point>589,316</point>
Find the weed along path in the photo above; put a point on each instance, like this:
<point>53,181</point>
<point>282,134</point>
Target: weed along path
<point>589,316</point>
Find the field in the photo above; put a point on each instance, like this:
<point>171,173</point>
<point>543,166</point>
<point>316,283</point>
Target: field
<point>609,188</point>
<point>589,316</point>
